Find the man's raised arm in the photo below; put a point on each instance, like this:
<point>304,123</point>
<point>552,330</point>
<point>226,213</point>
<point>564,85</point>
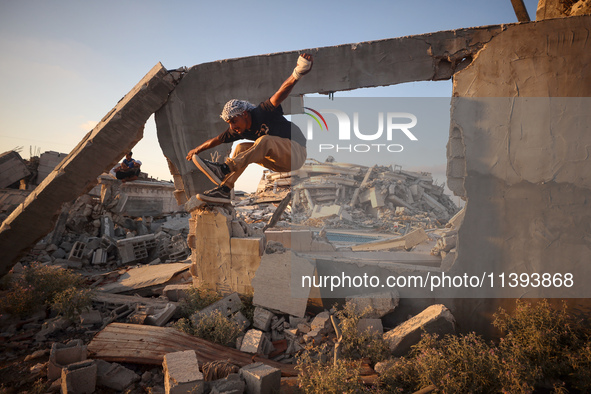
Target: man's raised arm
<point>304,65</point>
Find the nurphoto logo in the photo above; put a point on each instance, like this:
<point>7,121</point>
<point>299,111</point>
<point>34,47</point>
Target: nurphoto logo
<point>390,126</point>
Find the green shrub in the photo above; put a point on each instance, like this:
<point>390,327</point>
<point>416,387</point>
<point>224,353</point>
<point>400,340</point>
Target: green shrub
<point>355,344</point>
<point>36,287</point>
<point>213,327</point>
<point>454,364</point>
<point>71,302</point>
<point>197,299</point>
<point>543,348</point>
<point>317,377</point>
<point>21,300</point>
<point>247,306</point>
<point>542,340</point>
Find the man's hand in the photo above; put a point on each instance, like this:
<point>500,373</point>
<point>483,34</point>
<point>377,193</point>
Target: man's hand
<point>304,65</point>
<point>192,152</point>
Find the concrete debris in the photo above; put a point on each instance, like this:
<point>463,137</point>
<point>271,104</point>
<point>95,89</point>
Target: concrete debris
<point>87,237</point>
<point>261,378</point>
<point>79,378</point>
<point>226,306</point>
<point>115,376</point>
<point>341,195</point>
<point>232,384</point>
<point>62,355</point>
<point>12,168</point>
<point>181,373</point>
<point>436,319</point>
<point>275,283</point>
<point>256,342</point>
<point>372,325</point>
<point>146,277</point>
<point>376,306</point>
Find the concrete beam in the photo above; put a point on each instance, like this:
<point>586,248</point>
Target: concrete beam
<point>191,116</point>
<point>520,11</point>
<point>98,151</point>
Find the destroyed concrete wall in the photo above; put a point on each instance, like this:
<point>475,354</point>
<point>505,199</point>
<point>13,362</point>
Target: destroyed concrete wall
<point>12,168</point>
<point>47,163</point>
<point>138,198</point>
<point>549,9</point>
<point>518,151</point>
<point>191,115</point>
<point>98,151</point>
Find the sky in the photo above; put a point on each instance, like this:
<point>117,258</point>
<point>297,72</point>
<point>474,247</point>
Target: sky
<point>65,64</point>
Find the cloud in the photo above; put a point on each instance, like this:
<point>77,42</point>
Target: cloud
<point>88,125</point>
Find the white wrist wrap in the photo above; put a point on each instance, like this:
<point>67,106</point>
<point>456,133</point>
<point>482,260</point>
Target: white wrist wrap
<point>304,65</point>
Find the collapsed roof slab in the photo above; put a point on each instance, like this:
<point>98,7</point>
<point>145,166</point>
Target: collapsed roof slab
<point>191,115</point>
<point>98,151</point>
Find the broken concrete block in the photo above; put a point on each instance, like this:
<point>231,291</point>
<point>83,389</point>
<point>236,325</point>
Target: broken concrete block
<point>322,323</point>
<point>254,342</point>
<point>261,378</point>
<point>212,257</point>
<point>241,320</point>
<point>176,225</point>
<point>77,251</point>
<point>373,325</point>
<point>99,256</point>
<point>176,293</point>
<point>262,319</point>
<point>51,326</point>
<point>193,204</point>
<point>414,238</point>
<point>232,384</point>
<point>181,373</point>
<point>277,283</point>
<point>245,260</point>
<point>162,316</point>
<point>89,318</point>
<point>375,305</point>
<point>107,227</point>
<point>372,195</point>
<point>304,328</point>
<point>136,248</point>
<point>314,336</point>
<point>237,230</point>
<point>114,376</point>
<point>227,306</point>
<point>436,319</point>
<point>323,211</point>
<point>79,378</point>
<point>62,355</point>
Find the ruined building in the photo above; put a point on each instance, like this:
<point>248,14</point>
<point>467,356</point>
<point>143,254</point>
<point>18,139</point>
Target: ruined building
<point>518,149</point>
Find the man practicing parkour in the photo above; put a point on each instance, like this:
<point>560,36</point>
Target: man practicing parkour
<point>278,144</point>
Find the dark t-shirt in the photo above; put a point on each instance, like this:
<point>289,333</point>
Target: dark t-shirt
<point>266,120</point>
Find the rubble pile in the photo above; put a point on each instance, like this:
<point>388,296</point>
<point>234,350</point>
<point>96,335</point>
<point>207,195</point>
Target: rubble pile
<point>88,235</point>
<point>341,195</point>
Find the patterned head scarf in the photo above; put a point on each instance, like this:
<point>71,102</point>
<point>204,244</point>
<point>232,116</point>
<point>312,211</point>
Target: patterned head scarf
<point>235,107</point>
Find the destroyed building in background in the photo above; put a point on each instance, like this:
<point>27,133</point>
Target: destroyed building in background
<point>517,156</point>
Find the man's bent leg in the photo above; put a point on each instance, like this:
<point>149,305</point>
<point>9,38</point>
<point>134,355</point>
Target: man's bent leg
<point>242,147</point>
<point>266,151</point>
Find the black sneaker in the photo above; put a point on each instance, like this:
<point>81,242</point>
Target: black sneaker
<point>214,171</point>
<point>219,195</point>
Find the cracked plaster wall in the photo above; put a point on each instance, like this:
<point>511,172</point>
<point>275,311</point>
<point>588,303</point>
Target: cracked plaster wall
<point>519,152</point>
